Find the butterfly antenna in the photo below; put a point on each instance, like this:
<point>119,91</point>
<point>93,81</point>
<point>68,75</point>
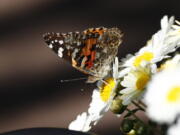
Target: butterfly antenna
<point>71,80</point>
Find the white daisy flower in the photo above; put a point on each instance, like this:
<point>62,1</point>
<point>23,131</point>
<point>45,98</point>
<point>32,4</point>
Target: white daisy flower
<point>101,101</point>
<point>176,29</point>
<point>170,63</point>
<point>134,83</point>
<point>103,97</point>
<point>175,129</point>
<point>82,123</point>
<point>163,95</point>
<point>156,47</point>
<point>161,44</point>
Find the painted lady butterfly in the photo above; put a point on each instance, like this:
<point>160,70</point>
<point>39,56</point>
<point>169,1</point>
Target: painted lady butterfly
<point>91,51</point>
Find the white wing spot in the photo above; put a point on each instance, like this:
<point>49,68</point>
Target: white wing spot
<point>83,62</point>
<point>52,42</point>
<point>68,47</point>
<point>50,46</point>
<point>78,43</point>
<point>61,42</point>
<point>56,40</point>
<point>60,52</point>
<point>74,52</point>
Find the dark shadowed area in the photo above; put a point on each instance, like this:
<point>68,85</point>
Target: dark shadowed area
<point>31,94</point>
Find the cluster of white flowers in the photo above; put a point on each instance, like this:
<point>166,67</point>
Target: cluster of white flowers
<point>163,95</point>
<point>141,78</point>
<point>102,98</point>
<point>140,67</point>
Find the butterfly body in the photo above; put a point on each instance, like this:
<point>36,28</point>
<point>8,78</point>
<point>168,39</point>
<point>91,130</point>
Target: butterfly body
<point>91,51</point>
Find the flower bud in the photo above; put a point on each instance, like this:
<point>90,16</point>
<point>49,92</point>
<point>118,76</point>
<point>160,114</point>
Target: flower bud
<point>132,132</point>
<point>117,107</point>
<point>141,129</point>
<point>127,125</point>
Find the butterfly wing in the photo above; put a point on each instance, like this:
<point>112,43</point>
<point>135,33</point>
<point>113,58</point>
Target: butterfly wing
<point>91,51</point>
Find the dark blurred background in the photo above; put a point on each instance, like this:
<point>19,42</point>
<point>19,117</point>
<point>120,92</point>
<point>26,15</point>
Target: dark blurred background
<point>31,94</point>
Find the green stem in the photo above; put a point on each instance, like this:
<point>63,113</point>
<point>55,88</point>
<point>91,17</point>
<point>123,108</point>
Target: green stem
<point>134,115</point>
<point>142,104</point>
<point>153,129</point>
<point>140,107</point>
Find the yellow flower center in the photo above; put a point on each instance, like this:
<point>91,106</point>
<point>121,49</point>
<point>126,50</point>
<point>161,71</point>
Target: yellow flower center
<point>173,95</point>
<point>142,80</point>
<point>106,89</point>
<point>146,56</point>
